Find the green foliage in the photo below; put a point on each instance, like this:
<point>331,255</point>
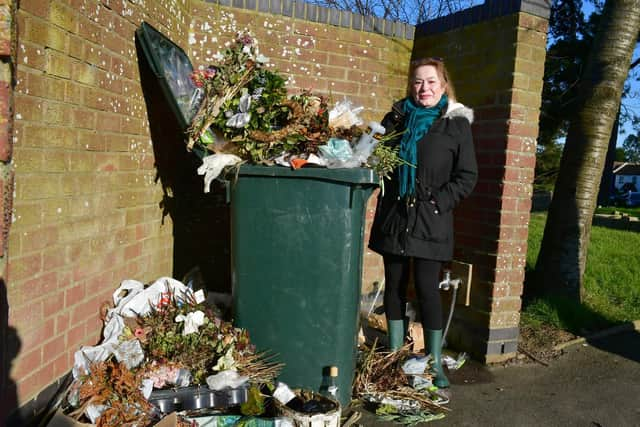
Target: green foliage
<point>214,342</point>
<point>612,283</point>
<point>255,404</point>
<point>571,39</point>
<point>547,166</point>
<point>631,147</point>
<point>385,158</point>
<point>566,57</point>
<point>267,112</point>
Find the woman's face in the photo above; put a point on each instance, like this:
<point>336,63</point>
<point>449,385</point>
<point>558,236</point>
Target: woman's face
<point>427,87</point>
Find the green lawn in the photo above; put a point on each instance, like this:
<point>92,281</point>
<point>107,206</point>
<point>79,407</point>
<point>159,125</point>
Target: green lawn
<point>611,210</point>
<point>612,282</point>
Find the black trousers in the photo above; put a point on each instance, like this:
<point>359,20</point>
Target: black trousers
<point>426,274</point>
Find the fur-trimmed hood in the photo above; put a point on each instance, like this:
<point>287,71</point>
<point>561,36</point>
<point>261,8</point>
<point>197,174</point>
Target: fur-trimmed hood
<point>456,109</point>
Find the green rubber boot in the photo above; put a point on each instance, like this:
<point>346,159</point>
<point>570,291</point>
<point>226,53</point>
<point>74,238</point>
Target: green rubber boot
<point>396,334</point>
<point>433,343</point>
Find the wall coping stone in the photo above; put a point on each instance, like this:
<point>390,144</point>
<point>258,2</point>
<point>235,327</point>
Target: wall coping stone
<point>491,9</point>
<point>324,15</point>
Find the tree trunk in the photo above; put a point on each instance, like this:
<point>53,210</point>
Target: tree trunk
<point>563,253</point>
<point>606,181</point>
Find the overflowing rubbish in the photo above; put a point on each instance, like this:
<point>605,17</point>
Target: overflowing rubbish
<point>167,359</point>
<point>380,377</point>
<point>454,364</point>
<point>337,153</point>
<point>345,115</point>
<point>164,350</point>
<point>240,109</point>
<point>213,165</point>
<point>310,409</point>
<point>399,384</point>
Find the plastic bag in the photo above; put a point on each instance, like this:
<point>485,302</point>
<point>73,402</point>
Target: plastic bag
<point>368,142</point>
<point>225,379</point>
<point>283,393</point>
<point>212,167</point>
<point>337,153</point>
<point>344,115</point>
<point>131,299</point>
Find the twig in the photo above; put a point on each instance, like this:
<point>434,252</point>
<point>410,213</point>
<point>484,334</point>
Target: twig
<point>532,356</point>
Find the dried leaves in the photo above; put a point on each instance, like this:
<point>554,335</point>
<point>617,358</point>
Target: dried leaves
<point>113,385</point>
<point>380,374</point>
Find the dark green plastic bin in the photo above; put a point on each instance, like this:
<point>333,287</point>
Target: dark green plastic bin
<point>297,243</point>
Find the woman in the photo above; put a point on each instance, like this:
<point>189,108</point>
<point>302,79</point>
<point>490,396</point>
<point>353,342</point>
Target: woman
<point>414,216</point>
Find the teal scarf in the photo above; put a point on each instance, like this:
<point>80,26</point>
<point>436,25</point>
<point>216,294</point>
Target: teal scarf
<point>418,121</point>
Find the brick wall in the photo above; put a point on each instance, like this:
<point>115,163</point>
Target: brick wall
<point>85,209</point>
<point>95,176</point>
<point>367,68</point>
<point>8,346</point>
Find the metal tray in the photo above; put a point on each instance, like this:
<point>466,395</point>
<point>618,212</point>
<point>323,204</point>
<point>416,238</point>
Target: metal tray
<point>196,397</point>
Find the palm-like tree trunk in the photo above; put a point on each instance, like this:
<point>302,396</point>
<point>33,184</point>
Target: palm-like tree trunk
<point>563,253</point>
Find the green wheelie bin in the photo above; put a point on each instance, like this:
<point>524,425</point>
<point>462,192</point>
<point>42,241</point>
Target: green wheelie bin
<point>297,240</point>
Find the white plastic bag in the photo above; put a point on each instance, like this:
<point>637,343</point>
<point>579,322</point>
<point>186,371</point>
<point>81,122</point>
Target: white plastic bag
<point>344,115</point>
<point>225,379</point>
<point>212,167</point>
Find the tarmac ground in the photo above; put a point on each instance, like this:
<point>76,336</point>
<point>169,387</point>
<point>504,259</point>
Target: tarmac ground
<point>596,383</point>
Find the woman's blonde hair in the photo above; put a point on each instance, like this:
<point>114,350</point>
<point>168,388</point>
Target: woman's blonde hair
<point>441,69</point>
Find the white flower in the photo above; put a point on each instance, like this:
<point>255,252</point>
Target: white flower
<point>262,59</point>
<point>226,362</point>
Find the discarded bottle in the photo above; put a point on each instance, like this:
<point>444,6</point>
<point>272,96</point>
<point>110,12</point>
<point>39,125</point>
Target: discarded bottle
<point>329,386</point>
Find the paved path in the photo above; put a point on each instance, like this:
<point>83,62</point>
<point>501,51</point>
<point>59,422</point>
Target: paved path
<point>594,384</point>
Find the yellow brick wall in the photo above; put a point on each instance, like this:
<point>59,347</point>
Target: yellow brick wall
<point>86,203</point>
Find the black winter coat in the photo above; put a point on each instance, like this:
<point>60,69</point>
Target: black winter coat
<point>446,173</point>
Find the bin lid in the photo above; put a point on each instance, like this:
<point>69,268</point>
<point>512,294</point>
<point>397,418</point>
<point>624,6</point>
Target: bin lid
<point>172,67</point>
<point>350,175</point>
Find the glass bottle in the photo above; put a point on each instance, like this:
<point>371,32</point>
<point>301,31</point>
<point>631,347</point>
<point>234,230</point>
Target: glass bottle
<point>329,386</point>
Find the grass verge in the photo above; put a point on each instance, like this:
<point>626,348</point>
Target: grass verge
<point>610,210</point>
<point>612,283</point>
